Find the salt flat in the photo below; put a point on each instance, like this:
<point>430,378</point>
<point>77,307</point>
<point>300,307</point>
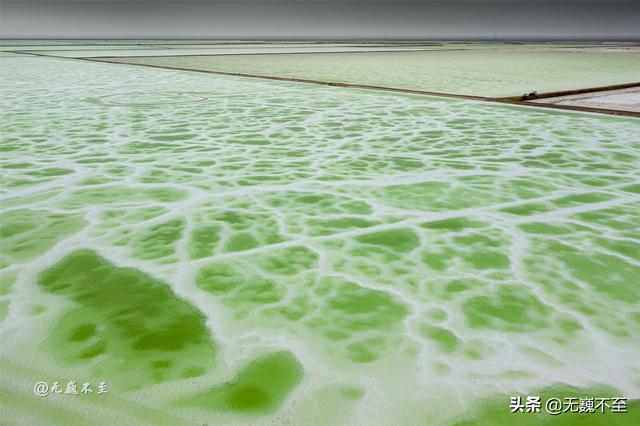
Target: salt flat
<point>227,250</point>
<point>621,99</point>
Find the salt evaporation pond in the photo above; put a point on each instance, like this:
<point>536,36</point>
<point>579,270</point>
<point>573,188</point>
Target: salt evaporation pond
<point>479,72</point>
<point>229,251</point>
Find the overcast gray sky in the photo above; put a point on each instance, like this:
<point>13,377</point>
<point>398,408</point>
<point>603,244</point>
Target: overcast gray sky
<point>319,19</point>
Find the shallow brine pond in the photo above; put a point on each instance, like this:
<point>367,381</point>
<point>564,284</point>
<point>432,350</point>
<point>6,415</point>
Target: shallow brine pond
<point>233,251</point>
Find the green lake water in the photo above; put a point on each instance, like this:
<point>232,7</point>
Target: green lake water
<point>229,251</point>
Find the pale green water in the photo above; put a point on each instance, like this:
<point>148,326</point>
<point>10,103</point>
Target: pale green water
<point>214,50</point>
<point>158,49</point>
<point>489,73</point>
<point>95,48</point>
<point>235,251</point>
